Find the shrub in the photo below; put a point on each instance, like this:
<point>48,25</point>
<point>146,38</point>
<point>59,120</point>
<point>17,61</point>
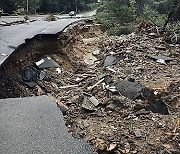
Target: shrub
<point>113,15</point>
<point>122,12</point>
<point>149,14</point>
<point>119,30</point>
<point>105,20</point>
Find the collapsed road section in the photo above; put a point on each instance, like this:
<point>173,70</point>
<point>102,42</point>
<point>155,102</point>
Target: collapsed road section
<point>33,124</point>
<point>13,36</point>
<point>119,93</point>
<point>29,48</point>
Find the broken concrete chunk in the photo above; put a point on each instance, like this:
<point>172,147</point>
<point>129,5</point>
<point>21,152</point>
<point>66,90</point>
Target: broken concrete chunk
<point>46,63</point>
<point>129,89</point>
<point>160,57</point>
<point>31,84</point>
<point>29,74</point>
<point>42,75</point>
<point>158,107</point>
<point>93,100</point>
<point>88,105</point>
<point>162,61</point>
<point>111,60</point>
<point>89,102</point>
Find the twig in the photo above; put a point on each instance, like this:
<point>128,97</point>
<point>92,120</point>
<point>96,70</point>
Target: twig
<point>69,86</point>
<point>91,87</point>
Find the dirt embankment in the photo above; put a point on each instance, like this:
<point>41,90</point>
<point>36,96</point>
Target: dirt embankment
<point>126,103</point>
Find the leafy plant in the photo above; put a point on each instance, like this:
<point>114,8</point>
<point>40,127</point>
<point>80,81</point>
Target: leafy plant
<point>115,15</point>
<point>119,30</point>
<point>149,14</point>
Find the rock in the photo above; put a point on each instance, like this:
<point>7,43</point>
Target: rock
<point>112,146</point>
<point>50,17</point>
<point>129,89</point>
<point>88,105</point>
<point>137,133</point>
<point>100,144</point>
<point>127,148</point>
<point>96,52</point>
<point>111,107</point>
<point>116,102</point>
<point>90,59</point>
<point>110,60</point>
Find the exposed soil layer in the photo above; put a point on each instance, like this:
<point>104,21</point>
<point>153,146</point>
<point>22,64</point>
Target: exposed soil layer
<point>118,124</point>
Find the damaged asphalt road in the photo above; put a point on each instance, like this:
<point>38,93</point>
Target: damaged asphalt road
<point>13,36</point>
<point>36,125</point>
<point>129,105</point>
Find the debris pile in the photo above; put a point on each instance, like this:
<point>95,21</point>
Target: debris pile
<point>16,22</point>
<point>50,17</point>
<point>119,93</point>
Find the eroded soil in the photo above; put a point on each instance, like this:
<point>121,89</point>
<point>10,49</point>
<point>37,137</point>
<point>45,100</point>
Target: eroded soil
<point>118,124</point>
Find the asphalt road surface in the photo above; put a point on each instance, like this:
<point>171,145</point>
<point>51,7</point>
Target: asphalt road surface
<point>36,126</point>
<point>12,36</point>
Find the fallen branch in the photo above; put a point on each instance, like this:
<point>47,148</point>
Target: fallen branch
<point>91,87</point>
<point>69,86</point>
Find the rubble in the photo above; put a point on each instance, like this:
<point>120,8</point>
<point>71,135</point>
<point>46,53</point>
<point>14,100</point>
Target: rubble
<point>129,89</point>
<point>50,17</point>
<point>46,62</point>
<point>161,59</point>
<point>88,105</point>
<point>126,103</point>
<point>110,60</point>
<point>4,23</point>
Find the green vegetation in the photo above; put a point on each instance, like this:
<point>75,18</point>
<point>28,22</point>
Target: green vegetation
<point>118,16</point>
<point>46,6</point>
<point>118,30</point>
<point>152,15</point>
<point>115,17</point>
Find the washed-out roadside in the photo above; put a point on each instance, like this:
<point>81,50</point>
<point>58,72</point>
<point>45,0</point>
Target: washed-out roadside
<point>119,93</point>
